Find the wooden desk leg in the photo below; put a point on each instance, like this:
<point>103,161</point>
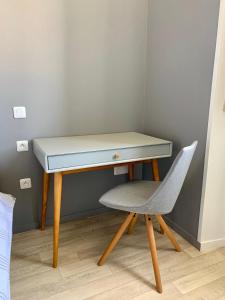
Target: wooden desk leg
<point>155,170</point>
<point>57,208</point>
<point>44,199</point>
<point>135,216</point>
<point>131,172</point>
<point>156,177</point>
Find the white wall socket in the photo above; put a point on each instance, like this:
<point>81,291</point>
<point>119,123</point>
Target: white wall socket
<point>120,170</point>
<point>19,112</point>
<point>22,146</point>
<point>25,183</point>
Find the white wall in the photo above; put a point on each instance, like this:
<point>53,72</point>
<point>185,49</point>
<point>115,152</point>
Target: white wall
<point>212,221</point>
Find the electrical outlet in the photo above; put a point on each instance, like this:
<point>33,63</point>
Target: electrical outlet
<point>25,183</point>
<point>19,112</point>
<point>120,170</point>
<point>22,146</point>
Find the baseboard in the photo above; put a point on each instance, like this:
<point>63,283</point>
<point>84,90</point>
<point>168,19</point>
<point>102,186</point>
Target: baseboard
<point>25,227</point>
<point>186,235</point>
<point>64,219</point>
<point>79,215</point>
<point>212,244</point>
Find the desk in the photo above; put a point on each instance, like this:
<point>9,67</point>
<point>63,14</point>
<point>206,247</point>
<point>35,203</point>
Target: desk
<point>68,155</point>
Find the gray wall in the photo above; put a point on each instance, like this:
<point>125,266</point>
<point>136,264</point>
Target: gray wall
<point>79,67</point>
<point>182,39</point>
<point>93,66</point>
<point>107,45</point>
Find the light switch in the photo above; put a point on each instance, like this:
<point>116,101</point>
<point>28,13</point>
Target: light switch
<point>25,183</point>
<point>19,112</point>
<point>22,146</point>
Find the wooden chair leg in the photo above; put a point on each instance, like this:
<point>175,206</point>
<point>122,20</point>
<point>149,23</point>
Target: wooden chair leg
<point>161,230</point>
<point>115,239</point>
<point>168,232</point>
<point>44,199</point>
<point>132,224</point>
<point>152,246</point>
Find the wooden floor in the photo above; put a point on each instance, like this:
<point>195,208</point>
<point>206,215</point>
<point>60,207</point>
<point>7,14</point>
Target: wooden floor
<point>126,275</point>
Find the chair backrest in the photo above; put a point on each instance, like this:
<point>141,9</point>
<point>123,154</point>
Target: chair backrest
<point>165,197</point>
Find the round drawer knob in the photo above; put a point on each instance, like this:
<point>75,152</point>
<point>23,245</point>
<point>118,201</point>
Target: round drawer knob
<point>116,156</point>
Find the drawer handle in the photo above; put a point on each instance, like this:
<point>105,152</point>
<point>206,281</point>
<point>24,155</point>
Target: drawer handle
<point>116,156</point>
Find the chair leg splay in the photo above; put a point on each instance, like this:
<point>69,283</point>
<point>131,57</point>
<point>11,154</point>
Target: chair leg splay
<point>149,207</point>
<point>115,239</point>
<point>151,241</point>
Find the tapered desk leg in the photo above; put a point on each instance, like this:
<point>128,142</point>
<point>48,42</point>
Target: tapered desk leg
<point>131,172</point>
<point>135,217</point>
<point>57,208</point>
<point>44,199</point>
<point>156,177</point>
<point>155,170</point>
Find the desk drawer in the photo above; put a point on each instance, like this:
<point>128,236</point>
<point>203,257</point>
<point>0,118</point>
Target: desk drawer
<point>79,160</point>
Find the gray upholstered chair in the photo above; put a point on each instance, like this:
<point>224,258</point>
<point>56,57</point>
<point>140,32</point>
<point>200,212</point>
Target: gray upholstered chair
<point>149,198</point>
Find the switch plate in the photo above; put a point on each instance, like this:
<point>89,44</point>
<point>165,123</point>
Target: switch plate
<point>22,146</point>
<point>19,112</point>
<point>25,183</point>
<point>120,170</point>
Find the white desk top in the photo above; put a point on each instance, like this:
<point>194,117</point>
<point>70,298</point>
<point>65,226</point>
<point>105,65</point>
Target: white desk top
<point>88,143</point>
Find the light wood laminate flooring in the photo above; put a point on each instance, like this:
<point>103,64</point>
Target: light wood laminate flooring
<point>127,274</point>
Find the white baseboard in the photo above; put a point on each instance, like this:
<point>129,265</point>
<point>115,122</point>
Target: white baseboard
<point>212,244</point>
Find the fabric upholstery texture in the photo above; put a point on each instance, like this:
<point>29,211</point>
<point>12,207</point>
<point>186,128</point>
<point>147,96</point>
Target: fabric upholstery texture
<point>6,215</point>
<point>129,196</point>
<point>150,197</point>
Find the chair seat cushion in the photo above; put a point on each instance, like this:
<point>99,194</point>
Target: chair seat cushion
<point>129,196</point>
